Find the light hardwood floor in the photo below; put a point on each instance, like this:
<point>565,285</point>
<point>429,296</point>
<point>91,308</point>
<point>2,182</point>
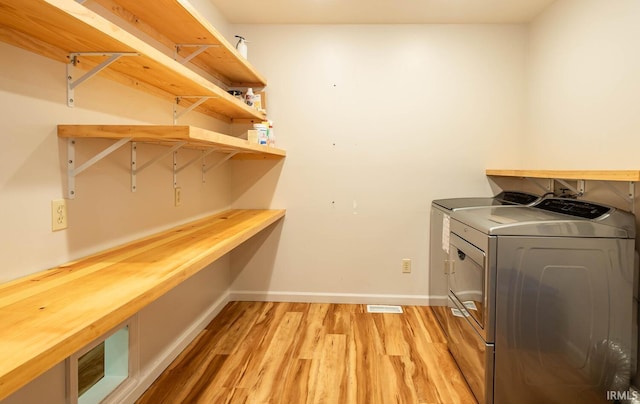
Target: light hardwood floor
<point>256,352</point>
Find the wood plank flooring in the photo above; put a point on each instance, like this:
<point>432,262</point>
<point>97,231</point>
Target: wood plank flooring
<point>256,352</point>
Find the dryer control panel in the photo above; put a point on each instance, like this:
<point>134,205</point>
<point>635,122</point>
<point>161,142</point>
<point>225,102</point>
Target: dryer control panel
<point>587,210</point>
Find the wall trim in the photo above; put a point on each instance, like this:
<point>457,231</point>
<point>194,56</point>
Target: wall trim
<point>344,298</point>
<point>149,374</point>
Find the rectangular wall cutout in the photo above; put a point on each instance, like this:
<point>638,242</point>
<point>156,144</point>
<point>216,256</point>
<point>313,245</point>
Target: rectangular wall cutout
<point>104,369</point>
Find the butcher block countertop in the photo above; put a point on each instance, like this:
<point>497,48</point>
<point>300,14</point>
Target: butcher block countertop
<point>595,175</point>
<point>50,315</point>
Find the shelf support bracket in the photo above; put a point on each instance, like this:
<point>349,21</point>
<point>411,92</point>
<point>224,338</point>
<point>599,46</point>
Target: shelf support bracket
<point>190,108</point>
<point>135,170</point>
<point>204,154</point>
<point>201,48</point>
<point>206,169</point>
<point>580,186</point>
<point>629,197</point>
<point>547,188</point>
<point>72,171</point>
<point>73,61</point>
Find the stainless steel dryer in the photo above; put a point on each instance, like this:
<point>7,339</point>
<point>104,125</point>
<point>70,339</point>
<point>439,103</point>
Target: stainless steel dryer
<point>438,254</point>
<point>541,301</point>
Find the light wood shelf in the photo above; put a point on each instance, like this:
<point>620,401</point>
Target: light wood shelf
<point>586,175</point>
<point>48,316</point>
<point>180,23</point>
<point>195,137</point>
<point>56,28</point>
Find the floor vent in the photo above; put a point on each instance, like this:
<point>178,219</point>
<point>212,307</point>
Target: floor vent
<point>378,308</point>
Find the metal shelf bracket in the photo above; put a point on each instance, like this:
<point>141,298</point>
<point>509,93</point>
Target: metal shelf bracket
<point>201,48</point>
<point>220,162</point>
<point>578,190</point>
<point>176,114</point>
<point>135,169</point>
<point>72,171</point>
<point>547,188</point>
<point>629,197</point>
<point>204,154</point>
<point>73,61</point>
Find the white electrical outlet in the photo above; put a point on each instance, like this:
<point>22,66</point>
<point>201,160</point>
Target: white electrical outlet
<point>177,196</point>
<point>406,266</point>
<point>58,214</point>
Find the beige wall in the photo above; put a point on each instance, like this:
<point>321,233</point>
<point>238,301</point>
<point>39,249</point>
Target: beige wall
<point>377,121</point>
<point>584,86</point>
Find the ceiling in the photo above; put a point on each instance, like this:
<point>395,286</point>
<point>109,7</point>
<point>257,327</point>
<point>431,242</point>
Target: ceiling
<point>380,11</point>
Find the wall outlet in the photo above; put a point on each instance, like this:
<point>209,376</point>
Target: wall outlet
<point>58,214</point>
<point>177,196</point>
<point>406,266</point>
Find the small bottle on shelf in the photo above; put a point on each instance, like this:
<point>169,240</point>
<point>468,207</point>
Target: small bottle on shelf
<point>271,135</point>
<point>248,97</point>
<point>241,46</point>
<point>262,132</point>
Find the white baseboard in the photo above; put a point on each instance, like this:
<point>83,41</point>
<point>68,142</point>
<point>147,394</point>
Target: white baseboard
<point>149,375</point>
<point>312,297</point>
<point>438,300</point>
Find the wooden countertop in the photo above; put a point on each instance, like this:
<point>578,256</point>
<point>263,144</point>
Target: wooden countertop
<point>48,316</point>
<point>596,175</point>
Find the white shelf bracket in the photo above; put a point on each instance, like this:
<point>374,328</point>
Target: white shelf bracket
<point>73,61</point>
<point>206,169</point>
<point>204,162</point>
<point>135,169</point>
<point>201,48</point>
<point>175,169</point>
<point>579,189</point>
<point>190,108</point>
<point>547,188</point>
<point>204,154</point>
<point>72,171</point>
<point>629,197</point>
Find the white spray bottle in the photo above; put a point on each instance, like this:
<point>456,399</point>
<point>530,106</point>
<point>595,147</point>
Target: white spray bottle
<point>241,46</point>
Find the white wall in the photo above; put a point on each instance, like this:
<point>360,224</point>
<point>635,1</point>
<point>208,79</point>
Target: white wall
<point>377,121</point>
<point>584,86</point>
<point>213,15</point>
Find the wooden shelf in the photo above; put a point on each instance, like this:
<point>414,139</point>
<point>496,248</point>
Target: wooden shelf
<point>587,175</point>
<point>56,28</point>
<point>180,23</point>
<point>195,137</point>
<point>48,316</point>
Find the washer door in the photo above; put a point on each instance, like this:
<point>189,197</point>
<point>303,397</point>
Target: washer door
<point>466,277</point>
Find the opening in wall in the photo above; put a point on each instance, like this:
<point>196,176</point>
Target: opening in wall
<point>105,369</point>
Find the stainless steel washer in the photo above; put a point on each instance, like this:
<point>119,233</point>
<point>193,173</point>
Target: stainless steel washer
<point>541,301</point>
